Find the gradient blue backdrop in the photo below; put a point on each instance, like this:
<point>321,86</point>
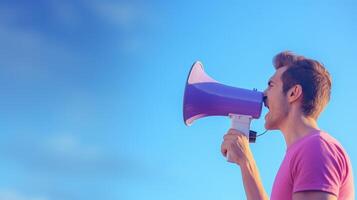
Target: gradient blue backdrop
<point>91,92</point>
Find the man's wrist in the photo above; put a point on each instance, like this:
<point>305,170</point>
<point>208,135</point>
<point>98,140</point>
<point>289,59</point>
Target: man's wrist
<point>248,163</point>
<point>248,159</point>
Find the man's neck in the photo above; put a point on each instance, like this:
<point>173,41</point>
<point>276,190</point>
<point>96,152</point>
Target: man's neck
<point>296,126</point>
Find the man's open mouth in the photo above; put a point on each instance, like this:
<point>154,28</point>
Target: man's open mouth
<point>265,101</point>
<point>265,98</point>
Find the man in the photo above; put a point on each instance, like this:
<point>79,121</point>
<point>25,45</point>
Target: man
<point>315,166</point>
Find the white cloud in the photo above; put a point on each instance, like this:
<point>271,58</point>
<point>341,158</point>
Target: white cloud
<point>69,147</point>
<point>28,54</point>
<point>129,18</point>
<point>29,47</point>
<point>65,13</point>
<point>67,155</point>
<point>15,195</point>
<point>126,15</point>
<point>22,55</point>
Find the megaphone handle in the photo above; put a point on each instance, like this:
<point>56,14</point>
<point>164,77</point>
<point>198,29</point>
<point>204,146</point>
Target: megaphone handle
<point>240,123</point>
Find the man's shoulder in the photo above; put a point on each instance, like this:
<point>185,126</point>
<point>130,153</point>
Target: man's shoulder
<point>323,159</point>
<point>320,144</point>
<point>327,142</point>
<point>323,151</point>
<point>320,140</point>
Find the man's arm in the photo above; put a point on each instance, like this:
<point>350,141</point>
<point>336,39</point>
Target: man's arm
<point>315,195</point>
<point>237,145</point>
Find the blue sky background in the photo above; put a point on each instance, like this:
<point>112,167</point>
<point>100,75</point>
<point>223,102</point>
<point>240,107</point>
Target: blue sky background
<point>91,92</point>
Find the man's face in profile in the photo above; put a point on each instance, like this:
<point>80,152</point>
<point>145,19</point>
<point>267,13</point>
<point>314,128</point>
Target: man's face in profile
<point>276,101</point>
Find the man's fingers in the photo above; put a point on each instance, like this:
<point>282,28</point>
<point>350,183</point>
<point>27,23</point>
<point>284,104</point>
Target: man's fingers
<point>233,131</point>
<point>233,136</point>
<point>230,137</point>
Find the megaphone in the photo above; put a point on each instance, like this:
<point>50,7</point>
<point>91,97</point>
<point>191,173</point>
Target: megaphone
<point>204,97</point>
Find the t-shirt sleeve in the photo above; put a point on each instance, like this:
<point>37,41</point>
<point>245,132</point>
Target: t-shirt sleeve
<point>317,167</point>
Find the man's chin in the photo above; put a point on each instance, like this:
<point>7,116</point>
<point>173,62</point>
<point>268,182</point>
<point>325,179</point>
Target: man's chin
<point>269,126</point>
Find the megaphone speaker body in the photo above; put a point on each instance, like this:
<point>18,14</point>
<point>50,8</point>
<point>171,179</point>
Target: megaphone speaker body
<point>204,97</point>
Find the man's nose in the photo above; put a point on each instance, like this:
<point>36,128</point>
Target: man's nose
<point>265,92</point>
<point>265,97</point>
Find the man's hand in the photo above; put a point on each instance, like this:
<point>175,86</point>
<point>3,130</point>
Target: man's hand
<point>236,144</point>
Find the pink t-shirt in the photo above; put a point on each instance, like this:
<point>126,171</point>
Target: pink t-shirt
<point>315,162</point>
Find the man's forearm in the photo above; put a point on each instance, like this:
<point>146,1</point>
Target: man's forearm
<point>252,184</point>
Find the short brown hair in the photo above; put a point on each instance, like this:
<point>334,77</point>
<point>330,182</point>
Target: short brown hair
<point>314,79</point>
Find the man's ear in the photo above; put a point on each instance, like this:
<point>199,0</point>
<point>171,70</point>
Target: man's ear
<point>294,93</point>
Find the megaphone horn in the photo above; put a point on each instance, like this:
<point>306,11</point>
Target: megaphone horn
<point>205,96</point>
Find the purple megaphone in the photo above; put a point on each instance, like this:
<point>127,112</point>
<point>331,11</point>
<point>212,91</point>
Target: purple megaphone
<point>204,96</point>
